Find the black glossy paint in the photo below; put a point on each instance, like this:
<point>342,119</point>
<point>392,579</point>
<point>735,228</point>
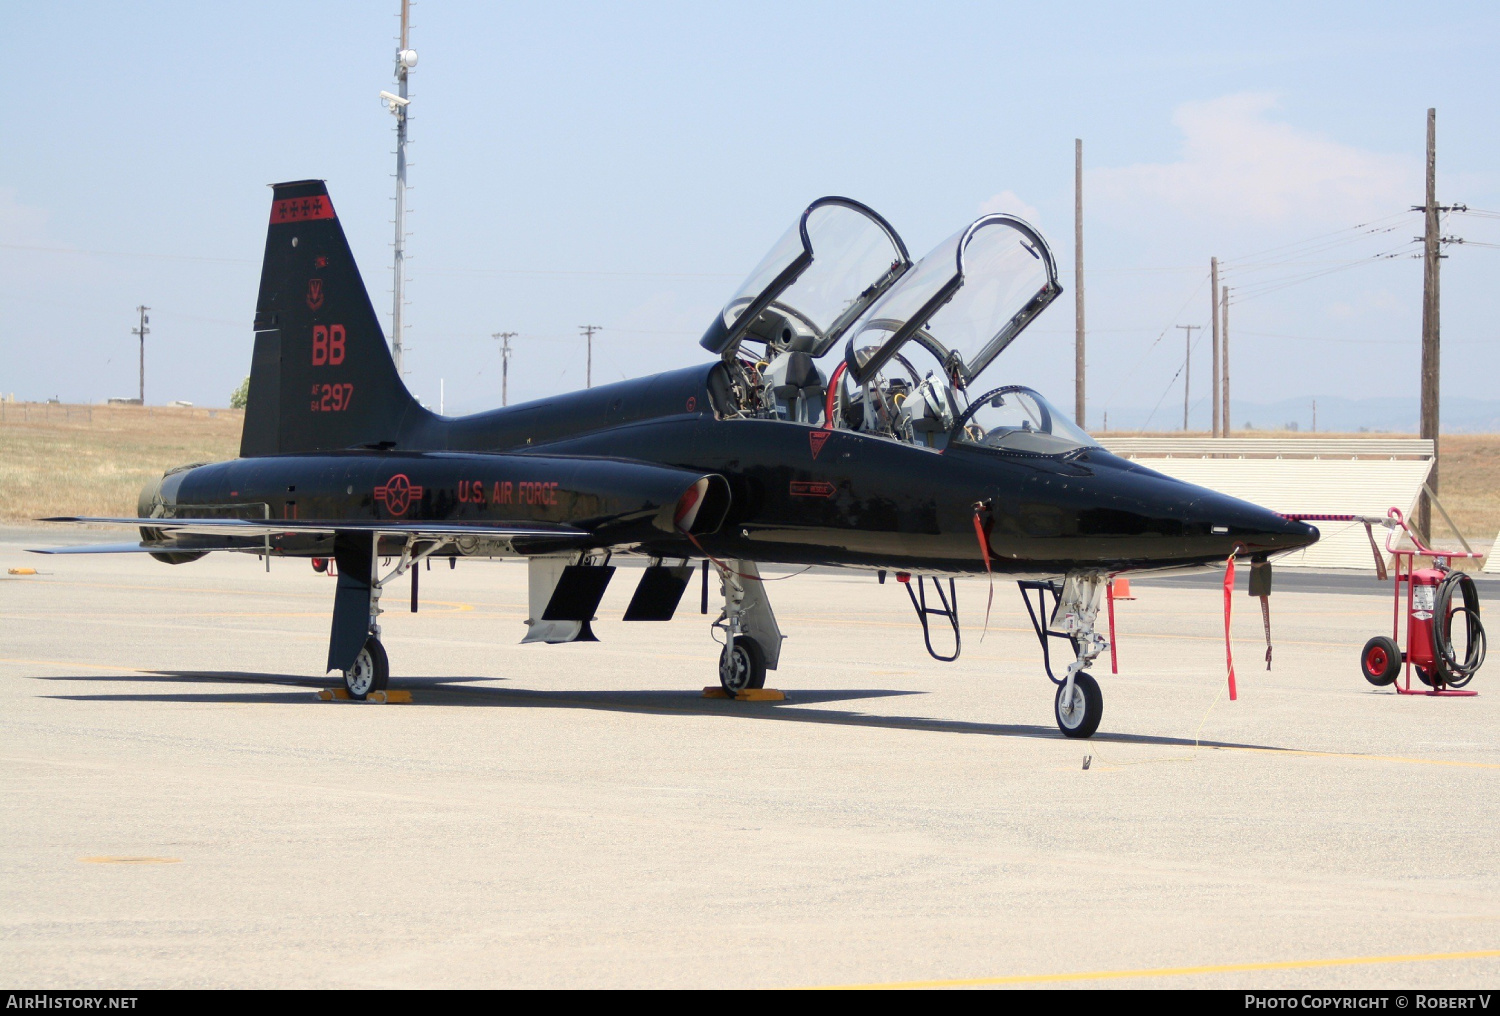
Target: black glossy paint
<point>615,460</point>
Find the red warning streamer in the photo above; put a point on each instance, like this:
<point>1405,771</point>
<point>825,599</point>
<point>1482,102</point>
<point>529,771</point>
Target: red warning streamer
<point>1228,610</point>
<point>984,552</point>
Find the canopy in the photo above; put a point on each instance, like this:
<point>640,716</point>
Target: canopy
<point>834,262</point>
<point>964,302</point>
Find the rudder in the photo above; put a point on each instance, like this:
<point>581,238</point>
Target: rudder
<point>321,375</point>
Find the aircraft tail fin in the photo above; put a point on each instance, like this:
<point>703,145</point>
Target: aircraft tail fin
<point>321,376</point>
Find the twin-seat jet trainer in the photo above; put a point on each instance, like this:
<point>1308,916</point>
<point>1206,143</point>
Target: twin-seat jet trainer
<point>889,456</point>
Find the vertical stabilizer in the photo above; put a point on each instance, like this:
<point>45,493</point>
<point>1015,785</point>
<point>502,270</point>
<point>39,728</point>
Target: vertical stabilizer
<point>321,375</point>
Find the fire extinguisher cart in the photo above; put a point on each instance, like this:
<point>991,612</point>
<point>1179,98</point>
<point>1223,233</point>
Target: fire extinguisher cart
<point>1436,599</point>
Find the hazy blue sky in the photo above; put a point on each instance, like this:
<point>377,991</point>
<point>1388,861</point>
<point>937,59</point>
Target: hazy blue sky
<point>625,164</point>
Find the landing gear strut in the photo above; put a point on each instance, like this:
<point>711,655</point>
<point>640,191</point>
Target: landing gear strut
<point>752,639</point>
<point>370,670</point>
<point>1079,704</point>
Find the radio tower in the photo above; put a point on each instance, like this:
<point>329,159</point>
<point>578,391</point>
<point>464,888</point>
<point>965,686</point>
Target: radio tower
<point>406,59</point>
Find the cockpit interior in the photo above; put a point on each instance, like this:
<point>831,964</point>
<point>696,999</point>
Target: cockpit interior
<point>916,335</point>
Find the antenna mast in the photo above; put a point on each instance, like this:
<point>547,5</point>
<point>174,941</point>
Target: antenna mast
<point>406,59</point>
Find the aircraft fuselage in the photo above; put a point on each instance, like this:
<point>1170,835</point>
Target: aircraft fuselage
<point>799,494</point>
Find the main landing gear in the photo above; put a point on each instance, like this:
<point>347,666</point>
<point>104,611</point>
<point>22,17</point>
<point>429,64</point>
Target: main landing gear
<point>371,670</point>
<point>357,605</point>
<point>1079,705</point>
<point>752,639</point>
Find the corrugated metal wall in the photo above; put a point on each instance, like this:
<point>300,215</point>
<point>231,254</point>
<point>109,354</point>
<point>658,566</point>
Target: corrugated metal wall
<point>1334,486</point>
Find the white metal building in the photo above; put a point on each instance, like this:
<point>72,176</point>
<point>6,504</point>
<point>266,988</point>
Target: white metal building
<point>1332,476</point>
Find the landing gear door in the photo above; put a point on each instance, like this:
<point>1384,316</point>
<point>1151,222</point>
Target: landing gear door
<point>836,260</point>
<point>964,303</point>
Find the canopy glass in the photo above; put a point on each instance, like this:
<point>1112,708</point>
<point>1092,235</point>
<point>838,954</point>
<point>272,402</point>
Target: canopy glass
<point>835,261</point>
<point>964,302</point>
<point>1017,419</point>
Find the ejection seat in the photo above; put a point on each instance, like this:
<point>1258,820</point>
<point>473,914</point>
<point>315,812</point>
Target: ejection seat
<point>794,379</point>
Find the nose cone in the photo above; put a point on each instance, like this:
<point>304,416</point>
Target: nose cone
<point>1231,522</point>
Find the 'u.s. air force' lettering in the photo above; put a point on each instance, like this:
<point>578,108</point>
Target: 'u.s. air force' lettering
<point>508,492</point>
<point>399,493</point>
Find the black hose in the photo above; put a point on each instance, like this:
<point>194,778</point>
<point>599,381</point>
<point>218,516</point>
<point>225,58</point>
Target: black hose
<point>1450,670</point>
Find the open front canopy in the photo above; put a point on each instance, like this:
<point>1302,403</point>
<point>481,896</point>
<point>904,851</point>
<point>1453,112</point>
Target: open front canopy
<point>835,261</point>
<point>964,302</point>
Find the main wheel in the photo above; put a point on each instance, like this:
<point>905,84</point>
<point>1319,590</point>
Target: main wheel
<point>742,666</point>
<point>1380,659</point>
<point>1080,715</point>
<point>370,672</point>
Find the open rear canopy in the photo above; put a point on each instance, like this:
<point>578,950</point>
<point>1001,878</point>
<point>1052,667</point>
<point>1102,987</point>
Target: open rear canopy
<point>964,302</point>
<point>835,261</point>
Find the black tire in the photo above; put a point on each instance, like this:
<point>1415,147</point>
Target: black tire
<point>1087,707</point>
<point>370,673</point>
<point>320,565</point>
<point>1380,660</point>
<point>742,666</point>
<point>1425,676</point>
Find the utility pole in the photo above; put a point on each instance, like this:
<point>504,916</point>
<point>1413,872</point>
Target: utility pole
<point>141,333</point>
<point>1430,372</point>
<point>1187,368</point>
<point>1213,304</point>
<point>1224,337</point>
<point>589,330</point>
<point>406,59</point>
<point>504,338</point>
<point>1078,367</point>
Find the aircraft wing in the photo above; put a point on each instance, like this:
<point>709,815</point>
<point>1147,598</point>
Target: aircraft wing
<point>276,527</point>
<point>117,548</point>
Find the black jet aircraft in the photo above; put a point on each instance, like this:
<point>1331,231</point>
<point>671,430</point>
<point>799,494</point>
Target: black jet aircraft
<point>894,460</point>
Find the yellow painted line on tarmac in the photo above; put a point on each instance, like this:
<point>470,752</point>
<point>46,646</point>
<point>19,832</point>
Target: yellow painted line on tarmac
<point>130,860</point>
<point>1225,968</point>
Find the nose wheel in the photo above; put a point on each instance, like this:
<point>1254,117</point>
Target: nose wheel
<point>370,672</point>
<point>1079,708</point>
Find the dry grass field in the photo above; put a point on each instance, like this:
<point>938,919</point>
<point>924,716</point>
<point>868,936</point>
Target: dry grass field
<point>93,460</point>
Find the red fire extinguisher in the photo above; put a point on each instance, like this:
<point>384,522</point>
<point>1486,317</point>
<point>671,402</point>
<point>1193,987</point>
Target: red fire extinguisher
<point>1419,644</point>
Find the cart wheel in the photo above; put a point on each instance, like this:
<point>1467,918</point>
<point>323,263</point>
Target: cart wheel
<point>1380,660</point>
<point>1425,676</point>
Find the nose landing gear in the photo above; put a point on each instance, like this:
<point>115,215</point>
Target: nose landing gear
<point>1079,704</point>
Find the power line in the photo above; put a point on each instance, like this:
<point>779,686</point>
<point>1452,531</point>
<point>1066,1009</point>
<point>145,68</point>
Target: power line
<point>1315,239</point>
